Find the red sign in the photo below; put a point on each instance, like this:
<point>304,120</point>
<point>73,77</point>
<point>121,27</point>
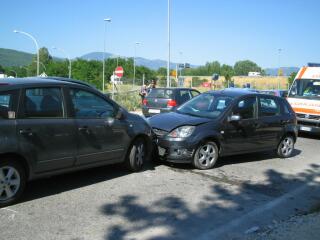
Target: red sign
<point>119,72</point>
<point>206,84</point>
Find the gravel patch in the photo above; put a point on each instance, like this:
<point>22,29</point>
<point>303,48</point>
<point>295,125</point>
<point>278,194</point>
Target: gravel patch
<point>306,227</point>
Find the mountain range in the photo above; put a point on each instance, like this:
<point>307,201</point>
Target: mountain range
<point>9,57</point>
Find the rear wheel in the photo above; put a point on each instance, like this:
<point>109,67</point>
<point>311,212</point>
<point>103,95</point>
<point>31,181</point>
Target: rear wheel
<point>206,155</point>
<point>286,147</point>
<point>12,181</point>
<point>137,155</point>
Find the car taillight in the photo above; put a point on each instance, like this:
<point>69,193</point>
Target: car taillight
<point>145,102</point>
<point>171,103</point>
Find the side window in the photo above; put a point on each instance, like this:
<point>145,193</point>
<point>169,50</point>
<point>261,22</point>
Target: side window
<point>246,108</point>
<point>43,103</point>
<point>90,105</point>
<point>268,107</point>
<point>5,102</point>
<point>184,96</point>
<point>194,93</point>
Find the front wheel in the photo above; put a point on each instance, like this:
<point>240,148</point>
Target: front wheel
<point>137,155</point>
<point>286,147</point>
<point>206,155</point>
<point>12,182</point>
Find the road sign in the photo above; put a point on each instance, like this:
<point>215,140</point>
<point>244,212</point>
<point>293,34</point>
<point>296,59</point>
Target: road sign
<point>119,72</point>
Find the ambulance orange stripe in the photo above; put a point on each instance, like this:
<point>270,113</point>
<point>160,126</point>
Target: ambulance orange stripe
<point>303,70</point>
<point>307,111</point>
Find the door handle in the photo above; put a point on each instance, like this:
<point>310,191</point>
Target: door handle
<point>26,132</point>
<point>84,129</point>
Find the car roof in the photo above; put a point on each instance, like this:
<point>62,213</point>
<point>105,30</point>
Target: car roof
<point>40,80</point>
<point>173,88</point>
<point>235,92</point>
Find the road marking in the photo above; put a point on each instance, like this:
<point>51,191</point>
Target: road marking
<point>215,233</point>
<point>9,210</point>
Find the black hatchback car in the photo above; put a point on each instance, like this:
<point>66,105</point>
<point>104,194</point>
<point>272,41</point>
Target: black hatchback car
<point>53,125</point>
<point>227,122</point>
<point>162,100</point>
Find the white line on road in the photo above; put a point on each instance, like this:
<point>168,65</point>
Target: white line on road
<point>8,209</point>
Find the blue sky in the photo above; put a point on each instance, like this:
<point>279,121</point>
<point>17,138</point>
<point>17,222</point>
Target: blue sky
<point>203,30</point>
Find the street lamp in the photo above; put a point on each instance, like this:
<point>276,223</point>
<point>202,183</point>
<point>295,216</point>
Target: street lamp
<point>43,66</point>
<point>67,56</point>
<point>168,63</point>
<point>35,42</point>
<point>134,62</point>
<point>279,53</point>
<point>106,20</point>
<point>14,73</point>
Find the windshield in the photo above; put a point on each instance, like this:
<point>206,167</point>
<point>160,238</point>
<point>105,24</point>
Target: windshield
<point>305,88</point>
<point>160,93</point>
<point>206,105</point>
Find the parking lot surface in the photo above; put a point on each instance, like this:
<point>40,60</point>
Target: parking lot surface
<point>169,201</point>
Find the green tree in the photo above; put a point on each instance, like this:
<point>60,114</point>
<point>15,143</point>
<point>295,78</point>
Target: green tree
<point>242,68</point>
<point>291,78</point>
<point>227,72</point>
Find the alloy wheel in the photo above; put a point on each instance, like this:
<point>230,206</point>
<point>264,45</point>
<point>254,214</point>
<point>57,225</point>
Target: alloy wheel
<point>9,182</point>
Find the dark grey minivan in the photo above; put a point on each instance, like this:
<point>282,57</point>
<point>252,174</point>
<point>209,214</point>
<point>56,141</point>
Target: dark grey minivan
<point>54,125</point>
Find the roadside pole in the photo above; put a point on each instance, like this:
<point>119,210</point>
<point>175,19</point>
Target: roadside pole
<point>143,76</point>
<point>113,86</point>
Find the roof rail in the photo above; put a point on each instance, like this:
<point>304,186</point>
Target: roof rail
<point>70,80</point>
<point>313,64</point>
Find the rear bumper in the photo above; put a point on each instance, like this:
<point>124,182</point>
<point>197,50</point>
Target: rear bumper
<point>147,112</point>
<point>308,125</point>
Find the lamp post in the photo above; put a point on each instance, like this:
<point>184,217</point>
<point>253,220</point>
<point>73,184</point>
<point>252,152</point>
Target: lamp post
<point>168,63</point>
<point>67,56</point>
<point>35,42</point>
<point>43,66</point>
<point>106,20</point>
<point>134,62</point>
<point>279,53</point>
<point>14,73</point>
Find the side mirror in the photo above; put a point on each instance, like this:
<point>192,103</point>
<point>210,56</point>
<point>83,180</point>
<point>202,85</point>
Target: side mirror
<point>120,114</point>
<point>234,118</point>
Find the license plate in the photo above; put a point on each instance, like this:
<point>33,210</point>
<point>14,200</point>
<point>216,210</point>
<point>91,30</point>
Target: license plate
<point>308,129</point>
<point>161,151</point>
<point>154,110</point>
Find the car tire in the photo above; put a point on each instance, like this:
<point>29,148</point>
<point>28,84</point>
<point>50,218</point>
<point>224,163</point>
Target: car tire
<point>206,155</point>
<point>136,155</point>
<point>286,147</point>
<point>12,181</point>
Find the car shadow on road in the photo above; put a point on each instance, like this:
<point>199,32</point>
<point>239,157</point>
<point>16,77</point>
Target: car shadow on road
<point>237,159</point>
<point>69,181</point>
<point>218,211</point>
<point>309,135</point>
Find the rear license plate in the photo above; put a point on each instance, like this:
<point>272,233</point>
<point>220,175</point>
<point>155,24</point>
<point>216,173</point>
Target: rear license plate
<point>308,129</point>
<point>154,110</point>
<point>161,151</point>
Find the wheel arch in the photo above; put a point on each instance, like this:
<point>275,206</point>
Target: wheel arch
<point>19,158</point>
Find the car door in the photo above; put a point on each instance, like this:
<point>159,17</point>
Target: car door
<point>45,133</point>
<point>241,136</point>
<point>269,121</point>
<point>101,137</point>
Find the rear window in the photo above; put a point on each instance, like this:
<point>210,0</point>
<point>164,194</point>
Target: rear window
<point>160,93</point>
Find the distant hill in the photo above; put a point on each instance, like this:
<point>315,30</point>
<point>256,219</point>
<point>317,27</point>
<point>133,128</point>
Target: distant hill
<point>154,64</point>
<point>286,71</point>
<point>9,57</point>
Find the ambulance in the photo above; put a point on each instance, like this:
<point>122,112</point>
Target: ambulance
<point>304,97</point>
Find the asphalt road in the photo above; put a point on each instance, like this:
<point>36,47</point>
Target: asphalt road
<point>169,202</point>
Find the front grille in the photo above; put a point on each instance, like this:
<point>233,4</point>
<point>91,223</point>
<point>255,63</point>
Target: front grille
<point>159,132</point>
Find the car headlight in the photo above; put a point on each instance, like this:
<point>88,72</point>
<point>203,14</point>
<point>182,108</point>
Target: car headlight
<point>182,132</point>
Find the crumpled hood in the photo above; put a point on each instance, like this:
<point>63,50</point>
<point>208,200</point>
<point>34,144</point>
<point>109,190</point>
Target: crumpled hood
<point>170,121</point>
